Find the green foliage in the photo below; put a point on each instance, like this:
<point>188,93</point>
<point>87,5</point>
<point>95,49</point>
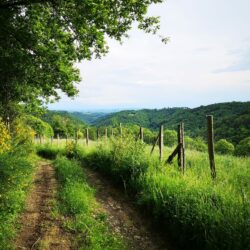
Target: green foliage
<point>243,148</point>
<point>149,136</point>
<point>15,177</point>
<point>89,117</point>
<point>231,120</point>
<point>224,147</point>
<point>40,127</point>
<point>170,137</point>
<point>197,212</point>
<point>41,41</point>
<point>63,123</point>
<point>78,204</point>
<point>197,144</point>
<point>48,152</point>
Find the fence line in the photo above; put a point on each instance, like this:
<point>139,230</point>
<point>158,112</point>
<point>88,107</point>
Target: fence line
<point>179,150</point>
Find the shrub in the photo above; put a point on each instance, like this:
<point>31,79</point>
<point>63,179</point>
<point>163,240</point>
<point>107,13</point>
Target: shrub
<point>40,127</point>
<point>5,139</point>
<point>224,147</point>
<point>22,137</point>
<point>197,144</point>
<point>48,152</point>
<point>243,148</point>
<point>170,138</point>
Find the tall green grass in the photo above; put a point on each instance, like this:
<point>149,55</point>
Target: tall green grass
<point>15,178</point>
<point>49,151</point>
<point>77,204</point>
<point>198,212</point>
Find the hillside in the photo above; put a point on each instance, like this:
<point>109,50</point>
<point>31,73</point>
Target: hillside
<point>88,117</point>
<point>63,122</point>
<point>231,120</point>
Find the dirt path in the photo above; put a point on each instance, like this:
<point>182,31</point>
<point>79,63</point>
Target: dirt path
<point>39,229</point>
<point>124,218</point>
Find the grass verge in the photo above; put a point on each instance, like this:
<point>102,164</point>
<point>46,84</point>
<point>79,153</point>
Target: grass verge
<point>15,178</point>
<point>78,206</point>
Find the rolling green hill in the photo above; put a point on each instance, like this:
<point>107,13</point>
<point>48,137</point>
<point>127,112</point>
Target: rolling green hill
<point>88,117</point>
<point>231,120</point>
<point>63,122</point>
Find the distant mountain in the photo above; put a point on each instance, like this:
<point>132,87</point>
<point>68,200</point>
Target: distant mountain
<point>231,120</point>
<point>89,117</point>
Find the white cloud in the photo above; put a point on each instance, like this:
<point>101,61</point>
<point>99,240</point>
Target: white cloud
<point>206,36</point>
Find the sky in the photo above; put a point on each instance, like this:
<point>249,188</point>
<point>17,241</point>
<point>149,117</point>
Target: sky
<point>207,60</point>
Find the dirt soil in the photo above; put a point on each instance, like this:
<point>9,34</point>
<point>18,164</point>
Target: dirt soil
<point>124,217</point>
<point>39,228</point>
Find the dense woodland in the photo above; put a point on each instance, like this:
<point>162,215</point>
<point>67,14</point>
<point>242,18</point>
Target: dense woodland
<point>231,120</point>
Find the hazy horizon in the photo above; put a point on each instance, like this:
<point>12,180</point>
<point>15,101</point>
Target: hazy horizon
<point>109,110</point>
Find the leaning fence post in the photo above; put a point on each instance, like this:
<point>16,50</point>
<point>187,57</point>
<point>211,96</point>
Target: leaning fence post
<point>112,132</point>
<point>210,140</point>
<point>180,148</point>
<point>156,141</point>
<point>161,143</point>
<point>183,148</point>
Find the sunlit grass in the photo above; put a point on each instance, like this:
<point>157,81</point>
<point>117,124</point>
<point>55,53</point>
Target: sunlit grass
<point>77,203</point>
<point>15,179</point>
<point>206,213</point>
<point>199,212</point>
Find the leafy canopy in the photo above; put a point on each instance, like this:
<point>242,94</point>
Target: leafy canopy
<point>41,40</point>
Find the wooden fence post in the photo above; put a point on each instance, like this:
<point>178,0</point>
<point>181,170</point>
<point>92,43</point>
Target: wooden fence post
<point>210,140</point>
<point>183,148</point>
<point>112,132</point>
<point>87,136</point>
<point>40,139</point>
<point>141,134</point>
<point>180,158</point>
<point>51,140</point>
<point>156,141</point>
<point>181,151</point>
<point>58,138</point>
<point>161,142</point>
